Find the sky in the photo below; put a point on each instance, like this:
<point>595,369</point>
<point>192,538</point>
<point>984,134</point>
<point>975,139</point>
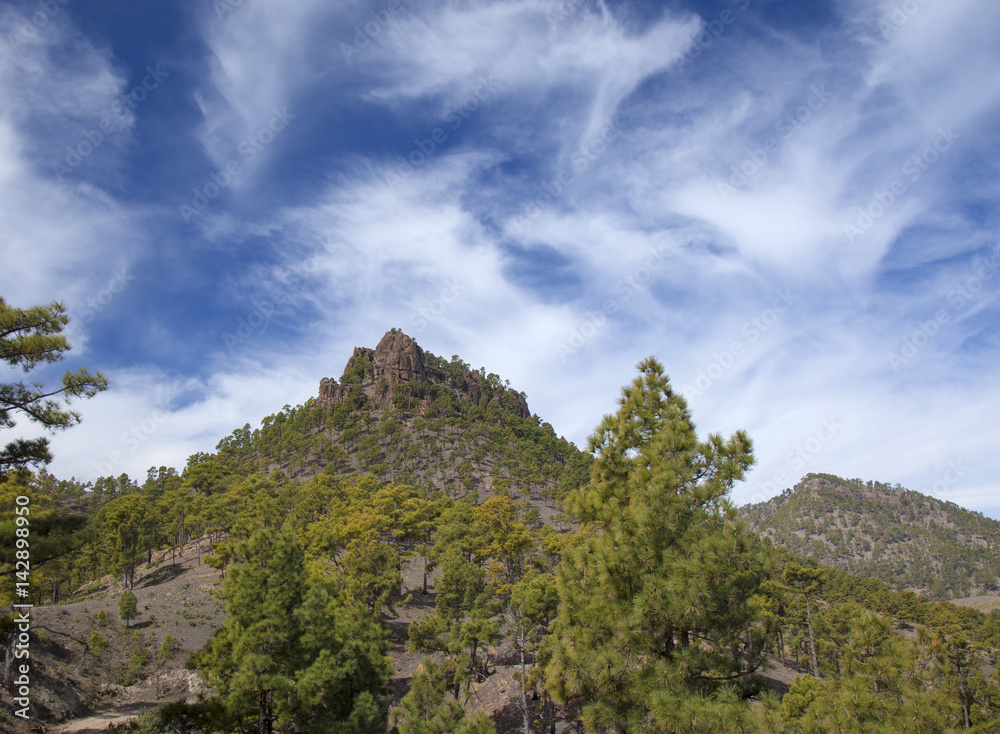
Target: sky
<point>793,205</point>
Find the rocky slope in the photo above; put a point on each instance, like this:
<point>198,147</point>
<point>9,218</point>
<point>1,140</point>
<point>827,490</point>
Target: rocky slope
<point>411,417</point>
<point>399,361</point>
<point>871,529</point>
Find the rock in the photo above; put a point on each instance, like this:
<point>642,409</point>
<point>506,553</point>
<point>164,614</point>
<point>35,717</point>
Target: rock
<point>398,360</point>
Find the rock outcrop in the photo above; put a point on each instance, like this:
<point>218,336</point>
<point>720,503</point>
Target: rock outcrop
<point>398,360</point>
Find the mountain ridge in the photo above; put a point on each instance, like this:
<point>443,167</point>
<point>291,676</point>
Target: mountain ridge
<point>891,533</point>
<point>408,416</point>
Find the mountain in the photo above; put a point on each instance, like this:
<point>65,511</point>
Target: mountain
<point>408,416</point>
<point>871,529</point>
<point>411,507</point>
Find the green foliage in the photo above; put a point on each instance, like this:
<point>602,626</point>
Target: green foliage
<point>29,337</point>
<point>128,608</point>
<point>57,527</point>
<point>147,722</point>
<point>132,672</point>
<point>427,707</point>
<point>647,608</point>
<point>887,532</point>
<point>292,650</point>
<point>97,643</point>
<point>373,576</point>
<point>655,615</point>
<point>801,695</point>
<point>169,647</point>
<point>356,372</point>
<point>463,620</point>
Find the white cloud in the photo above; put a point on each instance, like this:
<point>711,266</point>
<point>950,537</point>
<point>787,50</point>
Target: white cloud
<point>455,255</point>
<point>148,419</point>
<point>61,236</point>
<point>259,65</point>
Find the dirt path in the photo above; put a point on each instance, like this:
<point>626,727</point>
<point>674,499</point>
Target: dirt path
<point>99,722</point>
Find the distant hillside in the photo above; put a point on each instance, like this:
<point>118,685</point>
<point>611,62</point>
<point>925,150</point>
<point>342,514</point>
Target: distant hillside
<point>871,529</point>
<point>408,416</point>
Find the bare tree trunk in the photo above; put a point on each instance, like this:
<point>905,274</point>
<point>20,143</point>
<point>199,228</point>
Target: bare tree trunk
<point>264,720</point>
<point>965,700</point>
<point>524,695</point>
<point>812,638</point>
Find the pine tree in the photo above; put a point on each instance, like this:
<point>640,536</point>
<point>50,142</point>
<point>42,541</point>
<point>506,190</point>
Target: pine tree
<point>29,337</point>
<point>128,607</point>
<point>292,653</point>
<point>427,708</point>
<point>463,622</point>
<point>655,612</point>
<point>532,606</point>
<point>805,581</point>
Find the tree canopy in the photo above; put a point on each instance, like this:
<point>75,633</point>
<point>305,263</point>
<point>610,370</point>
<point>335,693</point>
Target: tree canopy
<point>655,612</point>
<point>28,338</point>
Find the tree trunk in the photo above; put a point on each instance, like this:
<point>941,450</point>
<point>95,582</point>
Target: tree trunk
<point>812,638</point>
<point>965,700</point>
<point>524,695</point>
<point>264,722</point>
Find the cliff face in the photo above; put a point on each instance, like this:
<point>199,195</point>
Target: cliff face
<point>398,360</point>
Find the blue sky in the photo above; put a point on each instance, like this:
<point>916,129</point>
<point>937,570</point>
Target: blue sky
<point>793,205</point>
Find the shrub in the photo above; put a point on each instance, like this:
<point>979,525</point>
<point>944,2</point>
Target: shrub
<point>169,647</point>
<point>97,642</point>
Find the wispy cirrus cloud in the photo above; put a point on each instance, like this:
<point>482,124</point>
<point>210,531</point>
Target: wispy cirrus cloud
<point>774,201</point>
<point>63,129</point>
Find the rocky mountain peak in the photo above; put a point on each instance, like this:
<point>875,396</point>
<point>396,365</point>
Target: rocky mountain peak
<point>399,360</point>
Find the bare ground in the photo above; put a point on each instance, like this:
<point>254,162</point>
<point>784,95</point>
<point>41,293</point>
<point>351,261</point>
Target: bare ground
<point>80,690</point>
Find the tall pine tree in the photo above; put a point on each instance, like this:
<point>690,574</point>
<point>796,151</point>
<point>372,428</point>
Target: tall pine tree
<point>291,656</point>
<point>654,615</point>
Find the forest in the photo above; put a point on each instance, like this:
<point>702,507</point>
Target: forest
<point>644,604</point>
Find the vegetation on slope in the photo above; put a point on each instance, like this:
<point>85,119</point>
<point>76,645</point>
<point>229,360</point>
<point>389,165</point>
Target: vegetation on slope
<point>430,437</point>
<point>654,612</point>
<point>870,529</point>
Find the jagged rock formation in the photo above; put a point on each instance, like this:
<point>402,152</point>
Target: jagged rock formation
<point>408,416</point>
<point>398,360</point>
